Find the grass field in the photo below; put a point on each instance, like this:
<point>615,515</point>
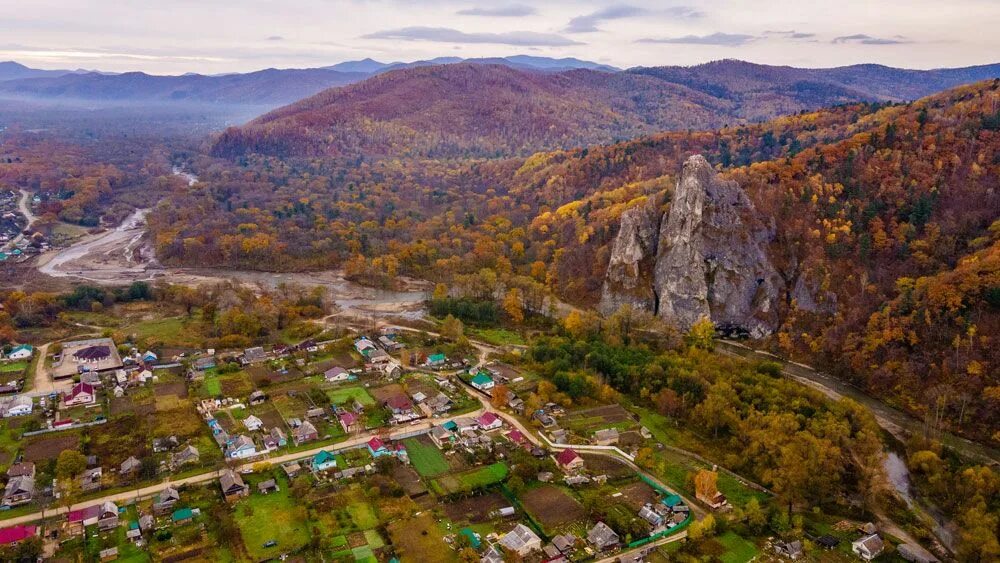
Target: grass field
<point>497,336</point>
<point>420,540</point>
<point>426,458</point>
<point>470,480</point>
<point>738,550</point>
<point>345,394</point>
<point>13,367</point>
<point>172,331</point>
<point>271,517</point>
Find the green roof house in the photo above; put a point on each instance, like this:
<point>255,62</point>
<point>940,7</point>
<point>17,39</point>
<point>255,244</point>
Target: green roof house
<point>436,359</point>
<point>482,382</point>
<point>182,515</point>
<point>474,540</point>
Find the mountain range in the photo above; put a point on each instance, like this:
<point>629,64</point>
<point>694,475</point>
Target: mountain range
<point>486,110</point>
<point>725,91</point>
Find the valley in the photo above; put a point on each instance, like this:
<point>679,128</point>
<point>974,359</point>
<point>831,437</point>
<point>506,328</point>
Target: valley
<point>501,308</point>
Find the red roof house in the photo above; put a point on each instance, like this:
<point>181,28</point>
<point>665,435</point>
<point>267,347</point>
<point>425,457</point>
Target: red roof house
<point>569,460</point>
<point>489,421</point>
<point>14,534</point>
<point>349,421</point>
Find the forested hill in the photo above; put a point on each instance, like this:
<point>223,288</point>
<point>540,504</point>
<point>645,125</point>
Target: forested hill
<point>484,110</point>
<point>884,210</point>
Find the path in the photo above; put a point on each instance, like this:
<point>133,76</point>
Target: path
<point>897,423</point>
<point>29,217</point>
<point>644,549</point>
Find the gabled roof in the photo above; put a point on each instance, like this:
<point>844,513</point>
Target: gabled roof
<point>376,443</point>
<point>182,514</point>
<point>567,456</point>
<point>519,537</point>
<point>14,534</point>
<point>81,388</point>
<point>481,379</point>
<point>487,418</point>
<point>324,457</point>
<point>348,418</point>
<point>231,480</point>
<point>399,402</point>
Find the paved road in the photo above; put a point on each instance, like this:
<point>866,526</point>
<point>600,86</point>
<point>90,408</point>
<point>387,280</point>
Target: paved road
<point>896,422</point>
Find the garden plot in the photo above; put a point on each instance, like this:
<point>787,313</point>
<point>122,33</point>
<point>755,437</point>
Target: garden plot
<point>476,509</point>
<point>470,480</point>
<point>552,507</point>
<point>586,421</point>
<point>44,449</point>
<point>420,539</point>
<point>275,516</point>
<point>638,494</point>
<point>346,395</point>
<point>407,478</point>
<point>613,468</point>
<point>426,458</point>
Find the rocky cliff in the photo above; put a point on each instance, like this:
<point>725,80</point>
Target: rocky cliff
<point>708,258</point>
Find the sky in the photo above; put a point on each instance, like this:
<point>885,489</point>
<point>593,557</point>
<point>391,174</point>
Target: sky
<point>218,36</point>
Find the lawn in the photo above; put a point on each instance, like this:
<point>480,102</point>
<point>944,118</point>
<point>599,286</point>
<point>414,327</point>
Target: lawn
<point>344,394</point>
<point>13,367</point>
<point>211,386</point>
<point>420,540</point>
<point>738,550</point>
<point>172,331</point>
<point>271,517</point>
<point>497,336</point>
<point>471,480</point>
<point>426,458</point>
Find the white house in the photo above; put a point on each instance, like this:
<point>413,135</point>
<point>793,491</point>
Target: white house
<point>489,421</point>
<point>18,406</point>
<point>241,447</point>
<point>868,547</point>
<point>253,423</point>
<point>21,352</point>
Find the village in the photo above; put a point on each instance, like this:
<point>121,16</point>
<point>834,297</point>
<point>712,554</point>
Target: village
<point>175,437</point>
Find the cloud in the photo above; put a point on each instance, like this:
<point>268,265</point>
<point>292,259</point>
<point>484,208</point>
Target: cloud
<point>717,38</point>
<point>862,39</point>
<point>589,23</point>
<point>791,34</point>
<point>275,38</point>
<point>448,35</point>
<point>509,11</point>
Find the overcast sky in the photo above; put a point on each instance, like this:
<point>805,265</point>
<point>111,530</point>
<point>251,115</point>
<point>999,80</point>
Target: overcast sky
<point>212,36</point>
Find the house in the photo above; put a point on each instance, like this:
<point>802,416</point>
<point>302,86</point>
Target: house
<point>317,412</point>
<point>336,374</point>
<point>517,437</point>
<point>267,487</point>
<point>161,445</point>
<point>257,397</point>
<point>349,421</point>
<point>377,357</point>
<point>565,543</point>
<point>492,555</point>
<point>165,501</point>
<point>323,460</point>
<point>93,378</point>
<point>399,404</point>
<point>182,516</point>
<point>130,465</point>
<point>16,534</point>
<point>241,447</point>
<point>292,468</point>
<point>465,424</point>
<point>482,381</point>
<point>521,540</point>
<point>187,455</point>
<point>389,344</point>
<point>606,437</point>
<point>233,487</point>
<point>279,437</point>
<point>827,541</point>
<point>649,514</point>
<point>253,355</point>
<point>569,461</point>
<point>868,547</point>
<point>17,406</point>
<point>19,490</point>
<point>602,537</point>
<point>439,403</point>
<point>377,447</point>
<point>91,478</point>
<point>489,421</point>
<point>149,357</point>
<point>305,432</point>
<point>436,360</point>
<point>204,364</point>
<point>21,352</point>
<point>364,346</point>
<point>391,369</point>
<point>22,469</point>
<point>76,520</point>
<point>146,522</point>
<point>81,394</point>
<point>441,437</point>
<point>716,501</point>
<point>109,554</point>
<point>253,423</point>
<point>791,550</point>
<point>107,519</point>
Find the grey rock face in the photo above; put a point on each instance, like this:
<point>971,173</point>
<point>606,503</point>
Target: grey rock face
<point>629,279</point>
<point>710,258</point>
